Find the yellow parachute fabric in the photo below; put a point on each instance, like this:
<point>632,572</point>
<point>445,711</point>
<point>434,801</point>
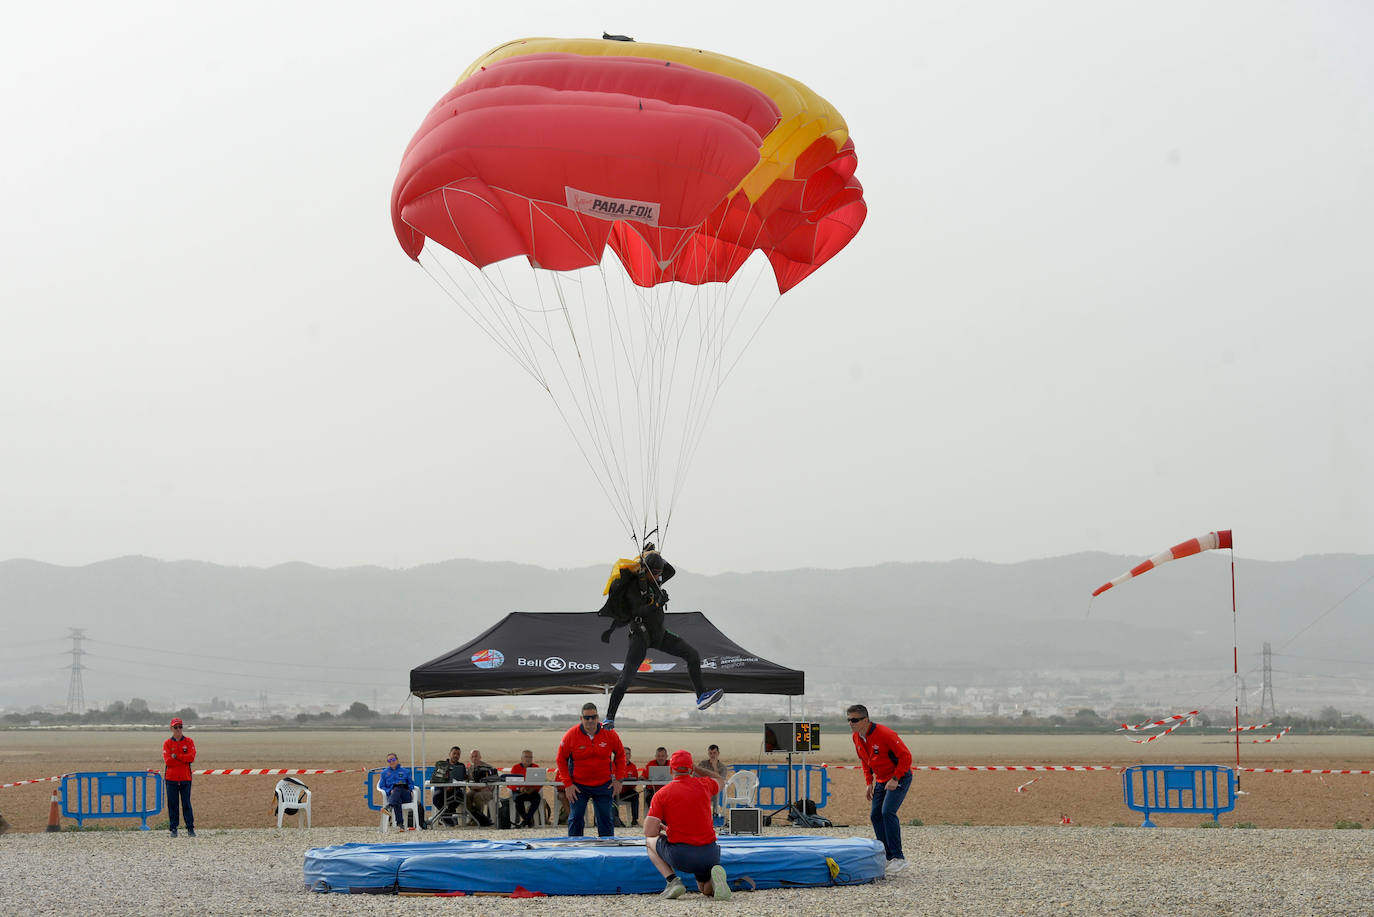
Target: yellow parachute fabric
<point>622,565</point>
<point>806,116</point>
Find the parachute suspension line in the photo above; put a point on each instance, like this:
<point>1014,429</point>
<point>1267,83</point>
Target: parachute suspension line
<point>454,292</point>
<point>499,317</point>
<point>588,414</point>
<point>705,382</point>
<point>623,347</point>
<point>595,389</point>
<point>720,333</point>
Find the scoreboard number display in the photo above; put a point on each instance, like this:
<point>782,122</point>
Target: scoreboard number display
<point>791,737</point>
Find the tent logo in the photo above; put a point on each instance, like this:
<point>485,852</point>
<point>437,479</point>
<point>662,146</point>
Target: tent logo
<point>558,664</point>
<point>488,659</point>
<point>727,662</point>
<point>648,665</point>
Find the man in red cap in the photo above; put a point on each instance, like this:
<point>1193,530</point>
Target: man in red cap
<point>680,819</point>
<point>179,752</point>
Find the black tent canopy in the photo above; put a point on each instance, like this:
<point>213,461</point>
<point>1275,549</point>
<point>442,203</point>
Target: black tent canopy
<point>562,653</point>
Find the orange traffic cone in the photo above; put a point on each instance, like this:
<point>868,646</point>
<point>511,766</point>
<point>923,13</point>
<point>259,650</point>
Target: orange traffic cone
<point>54,812</point>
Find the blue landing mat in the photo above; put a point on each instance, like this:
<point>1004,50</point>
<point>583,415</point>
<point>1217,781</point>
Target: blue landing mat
<point>581,866</point>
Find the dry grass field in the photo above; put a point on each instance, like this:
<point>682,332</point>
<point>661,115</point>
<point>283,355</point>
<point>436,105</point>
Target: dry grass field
<point>1093,799</point>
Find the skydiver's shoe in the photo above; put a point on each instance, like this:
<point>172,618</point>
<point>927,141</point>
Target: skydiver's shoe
<point>174,832</point>
<point>710,697</point>
<point>673,889</point>
<point>893,867</point>
<point>608,723</point>
<point>190,832</point>
<point>720,885</point>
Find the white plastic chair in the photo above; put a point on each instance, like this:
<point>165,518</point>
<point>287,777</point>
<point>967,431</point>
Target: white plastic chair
<point>294,796</point>
<point>741,789</point>
<point>408,809</point>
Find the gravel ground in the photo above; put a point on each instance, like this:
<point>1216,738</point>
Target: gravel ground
<point>954,870</point>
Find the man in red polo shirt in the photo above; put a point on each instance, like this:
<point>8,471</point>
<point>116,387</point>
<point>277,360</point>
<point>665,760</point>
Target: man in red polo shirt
<point>680,831</point>
<point>591,767</point>
<point>179,753</point>
<point>887,769</point>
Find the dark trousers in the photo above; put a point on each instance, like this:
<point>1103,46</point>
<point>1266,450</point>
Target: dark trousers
<point>886,826</point>
<point>178,799</point>
<point>525,806</point>
<point>639,647</point>
<point>396,797</point>
<point>602,802</point>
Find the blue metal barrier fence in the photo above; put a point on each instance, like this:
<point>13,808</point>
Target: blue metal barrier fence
<point>1172,789</point>
<point>114,794</point>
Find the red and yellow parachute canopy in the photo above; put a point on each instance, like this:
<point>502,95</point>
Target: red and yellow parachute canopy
<point>682,161</point>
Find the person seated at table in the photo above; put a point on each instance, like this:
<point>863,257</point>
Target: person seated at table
<point>447,799</point>
<point>395,782</point>
<point>718,770</point>
<point>629,794</point>
<point>660,760</point>
<point>527,798</point>
<point>478,799</point>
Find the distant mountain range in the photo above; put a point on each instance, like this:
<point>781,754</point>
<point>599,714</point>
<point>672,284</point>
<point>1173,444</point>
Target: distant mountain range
<point>358,630</point>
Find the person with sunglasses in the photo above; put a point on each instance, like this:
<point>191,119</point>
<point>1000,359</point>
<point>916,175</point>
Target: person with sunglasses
<point>179,753</point>
<point>591,768</point>
<point>395,782</point>
<point>886,762</point>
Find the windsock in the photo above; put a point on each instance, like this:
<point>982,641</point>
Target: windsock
<point>1208,542</point>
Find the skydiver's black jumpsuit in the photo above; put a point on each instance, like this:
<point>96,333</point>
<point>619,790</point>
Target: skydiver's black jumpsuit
<point>649,631</point>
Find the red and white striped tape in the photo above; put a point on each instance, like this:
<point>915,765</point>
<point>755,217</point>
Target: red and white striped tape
<point>1250,728</point>
<point>988,767</point>
<point>274,771</point>
<point>1157,735</point>
<point>1282,732</point>
<point>1295,770</point>
<point>1022,787</point>
<point>35,780</point>
<point>1168,719</point>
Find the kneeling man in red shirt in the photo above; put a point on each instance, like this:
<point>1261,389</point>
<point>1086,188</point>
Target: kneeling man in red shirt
<point>680,831</point>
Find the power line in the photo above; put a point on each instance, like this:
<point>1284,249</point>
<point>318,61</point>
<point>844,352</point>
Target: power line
<point>294,665</point>
<point>1328,611</point>
<point>183,668</point>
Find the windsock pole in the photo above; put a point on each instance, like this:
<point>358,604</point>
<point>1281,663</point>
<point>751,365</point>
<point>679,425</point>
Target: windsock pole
<point>1235,660</point>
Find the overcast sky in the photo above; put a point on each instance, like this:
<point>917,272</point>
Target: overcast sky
<point>1114,291</point>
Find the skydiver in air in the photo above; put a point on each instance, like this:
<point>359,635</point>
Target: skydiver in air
<point>637,599</point>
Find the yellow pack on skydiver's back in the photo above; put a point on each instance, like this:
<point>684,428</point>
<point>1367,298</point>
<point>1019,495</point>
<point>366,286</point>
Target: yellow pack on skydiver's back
<point>623,565</point>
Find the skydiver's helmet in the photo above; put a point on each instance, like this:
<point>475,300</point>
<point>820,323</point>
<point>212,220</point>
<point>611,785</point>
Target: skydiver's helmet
<point>652,559</point>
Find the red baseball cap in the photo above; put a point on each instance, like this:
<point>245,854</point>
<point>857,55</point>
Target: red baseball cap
<point>176,721</point>
<point>681,761</point>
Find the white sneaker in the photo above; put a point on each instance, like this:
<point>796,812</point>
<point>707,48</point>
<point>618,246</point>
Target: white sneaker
<point>894,866</point>
<point>720,884</point>
<point>673,888</point>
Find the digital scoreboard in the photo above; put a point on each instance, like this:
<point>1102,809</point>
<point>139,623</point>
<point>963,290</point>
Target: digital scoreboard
<point>790,737</point>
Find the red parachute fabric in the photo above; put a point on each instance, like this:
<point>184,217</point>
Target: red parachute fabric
<point>554,156</point>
